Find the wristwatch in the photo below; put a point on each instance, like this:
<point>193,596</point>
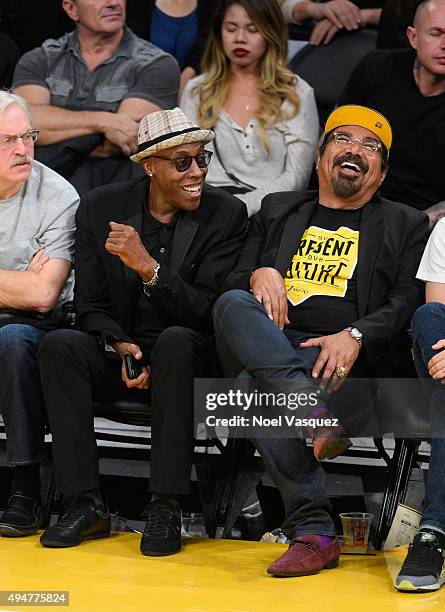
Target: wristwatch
<point>151,284</point>
<point>356,334</point>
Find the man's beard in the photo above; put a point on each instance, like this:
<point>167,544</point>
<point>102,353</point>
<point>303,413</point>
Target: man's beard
<point>348,186</point>
<point>345,186</point>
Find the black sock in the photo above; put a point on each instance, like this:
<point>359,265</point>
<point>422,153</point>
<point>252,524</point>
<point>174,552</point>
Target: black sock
<point>70,499</point>
<point>174,500</point>
<point>95,495</point>
<point>440,536</point>
<point>26,480</point>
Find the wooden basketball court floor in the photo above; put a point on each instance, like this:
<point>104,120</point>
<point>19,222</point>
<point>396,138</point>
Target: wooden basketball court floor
<point>208,575</point>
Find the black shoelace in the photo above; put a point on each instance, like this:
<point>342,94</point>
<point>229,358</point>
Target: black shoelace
<point>160,521</point>
<point>75,515</point>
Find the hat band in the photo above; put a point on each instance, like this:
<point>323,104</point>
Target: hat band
<point>155,141</point>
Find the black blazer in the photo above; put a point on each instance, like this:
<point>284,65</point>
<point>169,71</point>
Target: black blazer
<point>392,239</point>
<point>139,14</point>
<point>205,246</point>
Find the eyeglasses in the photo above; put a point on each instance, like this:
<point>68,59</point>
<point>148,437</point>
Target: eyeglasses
<point>8,142</point>
<point>182,164</point>
<point>343,139</point>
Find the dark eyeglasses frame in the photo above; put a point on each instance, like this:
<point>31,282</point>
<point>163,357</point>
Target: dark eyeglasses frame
<point>9,141</point>
<point>183,163</point>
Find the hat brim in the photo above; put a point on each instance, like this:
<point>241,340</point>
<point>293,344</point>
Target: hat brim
<point>361,116</point>
<point>204,136</point>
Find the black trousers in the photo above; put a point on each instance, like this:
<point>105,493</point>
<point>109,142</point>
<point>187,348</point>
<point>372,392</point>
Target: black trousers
<point>75,373</point>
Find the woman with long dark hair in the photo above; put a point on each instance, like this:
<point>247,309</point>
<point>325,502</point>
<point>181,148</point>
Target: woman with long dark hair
<point>263,115</point>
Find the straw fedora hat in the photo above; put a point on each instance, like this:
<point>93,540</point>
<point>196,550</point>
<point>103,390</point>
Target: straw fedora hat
<point>165,129</point>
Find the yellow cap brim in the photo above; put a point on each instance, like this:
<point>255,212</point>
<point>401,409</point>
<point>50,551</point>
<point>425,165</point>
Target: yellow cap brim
<point>362,116</point>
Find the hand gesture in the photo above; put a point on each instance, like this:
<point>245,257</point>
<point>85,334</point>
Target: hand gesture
<point>143,380</point>
<point>436,365</point>
<point>38,261</point>
<point>336,351</point>
<point>124,241</point>
<point>268,287</point>
<point>341,13</point>
<point>323,32</point>
<point>121,130</point>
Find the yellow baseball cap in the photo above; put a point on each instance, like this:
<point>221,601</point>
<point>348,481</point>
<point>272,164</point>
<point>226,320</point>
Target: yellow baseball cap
<point>352,114</point>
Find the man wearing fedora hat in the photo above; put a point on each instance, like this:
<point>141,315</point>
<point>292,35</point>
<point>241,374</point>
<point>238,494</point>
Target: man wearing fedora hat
<point>151,256</point>
<point>332,287</point>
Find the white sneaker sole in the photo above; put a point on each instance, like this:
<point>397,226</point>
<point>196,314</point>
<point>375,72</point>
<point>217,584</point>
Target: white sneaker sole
<point>408,585</point>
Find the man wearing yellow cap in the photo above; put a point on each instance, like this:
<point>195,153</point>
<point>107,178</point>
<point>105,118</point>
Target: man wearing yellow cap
<point>325,284</point>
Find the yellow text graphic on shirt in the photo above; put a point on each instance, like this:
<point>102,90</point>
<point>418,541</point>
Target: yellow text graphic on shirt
<point>324,262</point>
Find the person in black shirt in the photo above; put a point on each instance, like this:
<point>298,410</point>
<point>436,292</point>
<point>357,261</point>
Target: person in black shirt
<point>397,16</point>
<point>9,56</point>
<point>29,24</point>
<point>332,288</point>
<point>151,255</point>
<point>408,87</point>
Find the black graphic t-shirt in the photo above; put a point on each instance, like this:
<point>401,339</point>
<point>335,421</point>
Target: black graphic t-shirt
<point>321,281</point>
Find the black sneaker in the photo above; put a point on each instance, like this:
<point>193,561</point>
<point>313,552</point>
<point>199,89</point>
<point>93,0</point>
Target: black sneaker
<point>422,568</point>
<point>83,521</point>
<point>162,534</point>
<point>22,517</point>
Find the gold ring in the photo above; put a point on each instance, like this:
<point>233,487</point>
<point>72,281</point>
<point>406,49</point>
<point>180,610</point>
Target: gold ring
<point>341,372</point>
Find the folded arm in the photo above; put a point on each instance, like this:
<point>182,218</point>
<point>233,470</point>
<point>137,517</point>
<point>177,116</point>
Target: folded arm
<point>57,124</point>
<point>341,13</point>
<point>34,289</point>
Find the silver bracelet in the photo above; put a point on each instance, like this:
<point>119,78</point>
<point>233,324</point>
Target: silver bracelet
<point>149,285</point>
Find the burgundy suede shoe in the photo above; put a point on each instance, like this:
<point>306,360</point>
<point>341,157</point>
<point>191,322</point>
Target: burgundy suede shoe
<point>304,557</point>
<point>328,441</point>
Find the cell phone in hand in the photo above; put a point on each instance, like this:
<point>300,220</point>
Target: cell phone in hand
<point>133,368</point>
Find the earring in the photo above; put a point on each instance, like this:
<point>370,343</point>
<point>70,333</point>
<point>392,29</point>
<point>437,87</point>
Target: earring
<point>150,173</point>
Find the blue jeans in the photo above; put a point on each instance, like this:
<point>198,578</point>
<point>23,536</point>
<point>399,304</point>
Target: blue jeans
<point>428,327</point>
<point>21,401</point>
<point>249,343</point>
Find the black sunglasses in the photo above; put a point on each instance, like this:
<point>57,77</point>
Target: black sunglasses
<point>183,163</point>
